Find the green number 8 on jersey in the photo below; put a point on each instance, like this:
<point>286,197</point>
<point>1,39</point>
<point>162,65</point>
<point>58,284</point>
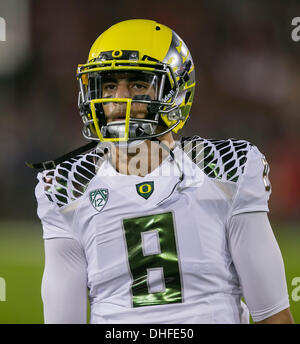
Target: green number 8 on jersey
<point>153,260</point>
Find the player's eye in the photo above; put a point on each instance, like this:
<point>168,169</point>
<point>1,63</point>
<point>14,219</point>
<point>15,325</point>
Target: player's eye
<point>109,87</point>
<point>139,85</point>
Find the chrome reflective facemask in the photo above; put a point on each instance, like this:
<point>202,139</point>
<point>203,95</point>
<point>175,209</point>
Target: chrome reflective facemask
<point>156,99</point>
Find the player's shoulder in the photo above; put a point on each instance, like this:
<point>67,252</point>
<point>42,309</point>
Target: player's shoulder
<point>68,181</point>
<point>224,160</point>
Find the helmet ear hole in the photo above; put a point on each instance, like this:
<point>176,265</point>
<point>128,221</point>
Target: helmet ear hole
<point>187,97</point>
<point>167,88</point>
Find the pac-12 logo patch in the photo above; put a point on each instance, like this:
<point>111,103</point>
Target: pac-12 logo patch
<point>145,189</point>
<point>99,198</point>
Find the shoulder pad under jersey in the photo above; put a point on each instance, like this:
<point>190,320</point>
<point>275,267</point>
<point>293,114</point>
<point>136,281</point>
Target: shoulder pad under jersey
<point>69,180</point>
<point>220,159</point>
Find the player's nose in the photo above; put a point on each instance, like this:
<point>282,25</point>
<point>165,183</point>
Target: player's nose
<point>122,90</point>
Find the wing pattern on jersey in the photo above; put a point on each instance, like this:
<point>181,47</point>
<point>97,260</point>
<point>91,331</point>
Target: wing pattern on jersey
<point>69,180</point>
<point>221,159</point>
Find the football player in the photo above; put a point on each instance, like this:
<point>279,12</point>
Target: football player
<point>147,229</point>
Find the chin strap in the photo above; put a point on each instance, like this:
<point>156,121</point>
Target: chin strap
<point>51,164</point>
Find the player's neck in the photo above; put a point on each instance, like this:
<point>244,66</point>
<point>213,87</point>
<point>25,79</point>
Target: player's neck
<point>143,158</point>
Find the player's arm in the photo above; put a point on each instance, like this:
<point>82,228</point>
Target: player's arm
<point>259,264</point>
<point>64,285</point>
<point>283,317</point>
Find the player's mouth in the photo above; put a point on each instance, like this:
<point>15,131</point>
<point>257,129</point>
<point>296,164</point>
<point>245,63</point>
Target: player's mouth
<point>122,117</point>
<point>117,117</point>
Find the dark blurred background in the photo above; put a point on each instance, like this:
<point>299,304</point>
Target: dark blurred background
<point>248,82</point>
<point>247,69</point>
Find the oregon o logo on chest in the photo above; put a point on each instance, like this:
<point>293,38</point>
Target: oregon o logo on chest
<point>145,189</point>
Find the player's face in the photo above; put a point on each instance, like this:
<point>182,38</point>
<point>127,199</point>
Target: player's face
<point>127,85</point>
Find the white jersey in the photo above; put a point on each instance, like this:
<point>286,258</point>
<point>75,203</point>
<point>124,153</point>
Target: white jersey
<point>156,246</point>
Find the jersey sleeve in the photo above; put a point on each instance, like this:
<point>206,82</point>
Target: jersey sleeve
<point>258,261</point>
<point>66,267</point>
<point>254,187</point>
<point>53,223</point>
